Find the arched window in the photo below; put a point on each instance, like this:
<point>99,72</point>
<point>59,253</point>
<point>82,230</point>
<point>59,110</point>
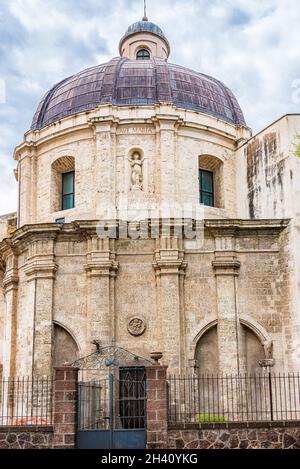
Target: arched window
<point>211,181</point>
<point>68,190</point>
<point>143,54</point>
<point>63,184</point>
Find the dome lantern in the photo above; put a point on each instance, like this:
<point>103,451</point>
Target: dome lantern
<point>144,40</point>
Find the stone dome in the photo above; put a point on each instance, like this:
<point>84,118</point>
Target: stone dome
<point>144,26</point>
<point>124,82</point>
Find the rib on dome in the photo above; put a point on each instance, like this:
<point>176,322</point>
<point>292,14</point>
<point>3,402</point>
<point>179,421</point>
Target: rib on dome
<point>124,82</point>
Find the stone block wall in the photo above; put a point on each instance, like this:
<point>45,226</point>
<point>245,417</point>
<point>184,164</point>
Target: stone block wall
<point>26,437</point>
<point>256,437</point>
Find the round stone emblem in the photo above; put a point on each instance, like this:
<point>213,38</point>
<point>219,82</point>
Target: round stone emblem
<point>136,326</point>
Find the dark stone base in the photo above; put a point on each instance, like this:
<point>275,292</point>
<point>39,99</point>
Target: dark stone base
<point>235,438</point>
<point>26,437</point>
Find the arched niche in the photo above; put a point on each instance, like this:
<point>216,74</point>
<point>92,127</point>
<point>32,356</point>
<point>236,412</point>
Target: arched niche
<point>206,353</point>
<point>65,348</point>
<point>252,350</point>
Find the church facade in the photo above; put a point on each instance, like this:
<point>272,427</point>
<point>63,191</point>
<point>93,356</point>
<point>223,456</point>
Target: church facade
<point>121,165</point>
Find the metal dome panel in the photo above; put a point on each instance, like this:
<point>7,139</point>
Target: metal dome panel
<point>124,82</point>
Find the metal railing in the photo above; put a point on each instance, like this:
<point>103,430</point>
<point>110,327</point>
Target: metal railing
<point>111,403</point>
<point>234,398</point>
<point>26,401</point>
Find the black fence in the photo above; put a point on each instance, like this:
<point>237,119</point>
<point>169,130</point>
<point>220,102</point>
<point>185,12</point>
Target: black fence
<point>234,398</point>
<point>26,401</point>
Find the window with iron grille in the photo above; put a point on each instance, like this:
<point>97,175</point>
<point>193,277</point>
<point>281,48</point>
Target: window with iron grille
<point>206,180</point>
<point>143,54</point>
<point>68,190</point>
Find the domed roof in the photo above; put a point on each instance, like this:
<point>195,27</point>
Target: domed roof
<point>144,26</point>
<point>125,82</point>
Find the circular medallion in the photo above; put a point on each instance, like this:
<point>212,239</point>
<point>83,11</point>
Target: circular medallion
<point>136,327</point>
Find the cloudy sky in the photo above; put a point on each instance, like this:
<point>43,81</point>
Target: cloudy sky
<point>251,45</point>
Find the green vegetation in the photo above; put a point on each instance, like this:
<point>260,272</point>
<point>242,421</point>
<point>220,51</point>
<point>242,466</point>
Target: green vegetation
<point>297,151</point>
<point>210,418</point>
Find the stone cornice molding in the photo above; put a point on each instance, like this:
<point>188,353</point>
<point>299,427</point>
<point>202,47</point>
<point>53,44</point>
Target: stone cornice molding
<point>106,123</point>
<point>239,227</point>
<point>167,122</point>
<point>132,115</point>
<point>19,240</point>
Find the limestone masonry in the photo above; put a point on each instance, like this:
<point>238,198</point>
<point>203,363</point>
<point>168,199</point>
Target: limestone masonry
<point>144,141</point>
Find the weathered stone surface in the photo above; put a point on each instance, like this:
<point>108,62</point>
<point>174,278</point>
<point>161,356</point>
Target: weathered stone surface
<point>273,436</point>
<point>288,440</point>
<point>224,436</point>
<point>11,438</point>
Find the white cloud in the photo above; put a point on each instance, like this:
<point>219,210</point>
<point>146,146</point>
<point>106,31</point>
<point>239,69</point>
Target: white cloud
<point>252,46</point>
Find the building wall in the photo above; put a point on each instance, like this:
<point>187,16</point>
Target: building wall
<point>171,141</point>
<point>148,295</point>
<point>268,183</point>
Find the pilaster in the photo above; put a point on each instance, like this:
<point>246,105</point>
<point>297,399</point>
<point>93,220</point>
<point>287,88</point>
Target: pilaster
<point>226,266</point>
<point>101,268</point>
<point>40,270</point>
<point>10,288</point>
<point>105,161</point>
<point>166,128</point>
<point>169,265</point>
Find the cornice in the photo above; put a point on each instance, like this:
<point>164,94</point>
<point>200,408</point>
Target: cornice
<point>241,227</point>
<point>115,116</point>
<point>230,227</point>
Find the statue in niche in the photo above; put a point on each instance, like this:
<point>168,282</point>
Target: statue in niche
<point>136,163</point>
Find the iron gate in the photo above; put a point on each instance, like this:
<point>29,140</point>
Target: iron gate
<point>112,411</point>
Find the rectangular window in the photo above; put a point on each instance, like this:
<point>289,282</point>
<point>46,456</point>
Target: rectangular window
<point>68,190</point>
<point>206,187</point>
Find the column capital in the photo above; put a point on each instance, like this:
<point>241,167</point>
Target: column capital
<point>226,265</point>
<point>11,274</point>
<point>11,280</point>
<point>169,262</point>
<point>41,266</point>
<point>101,264</point>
